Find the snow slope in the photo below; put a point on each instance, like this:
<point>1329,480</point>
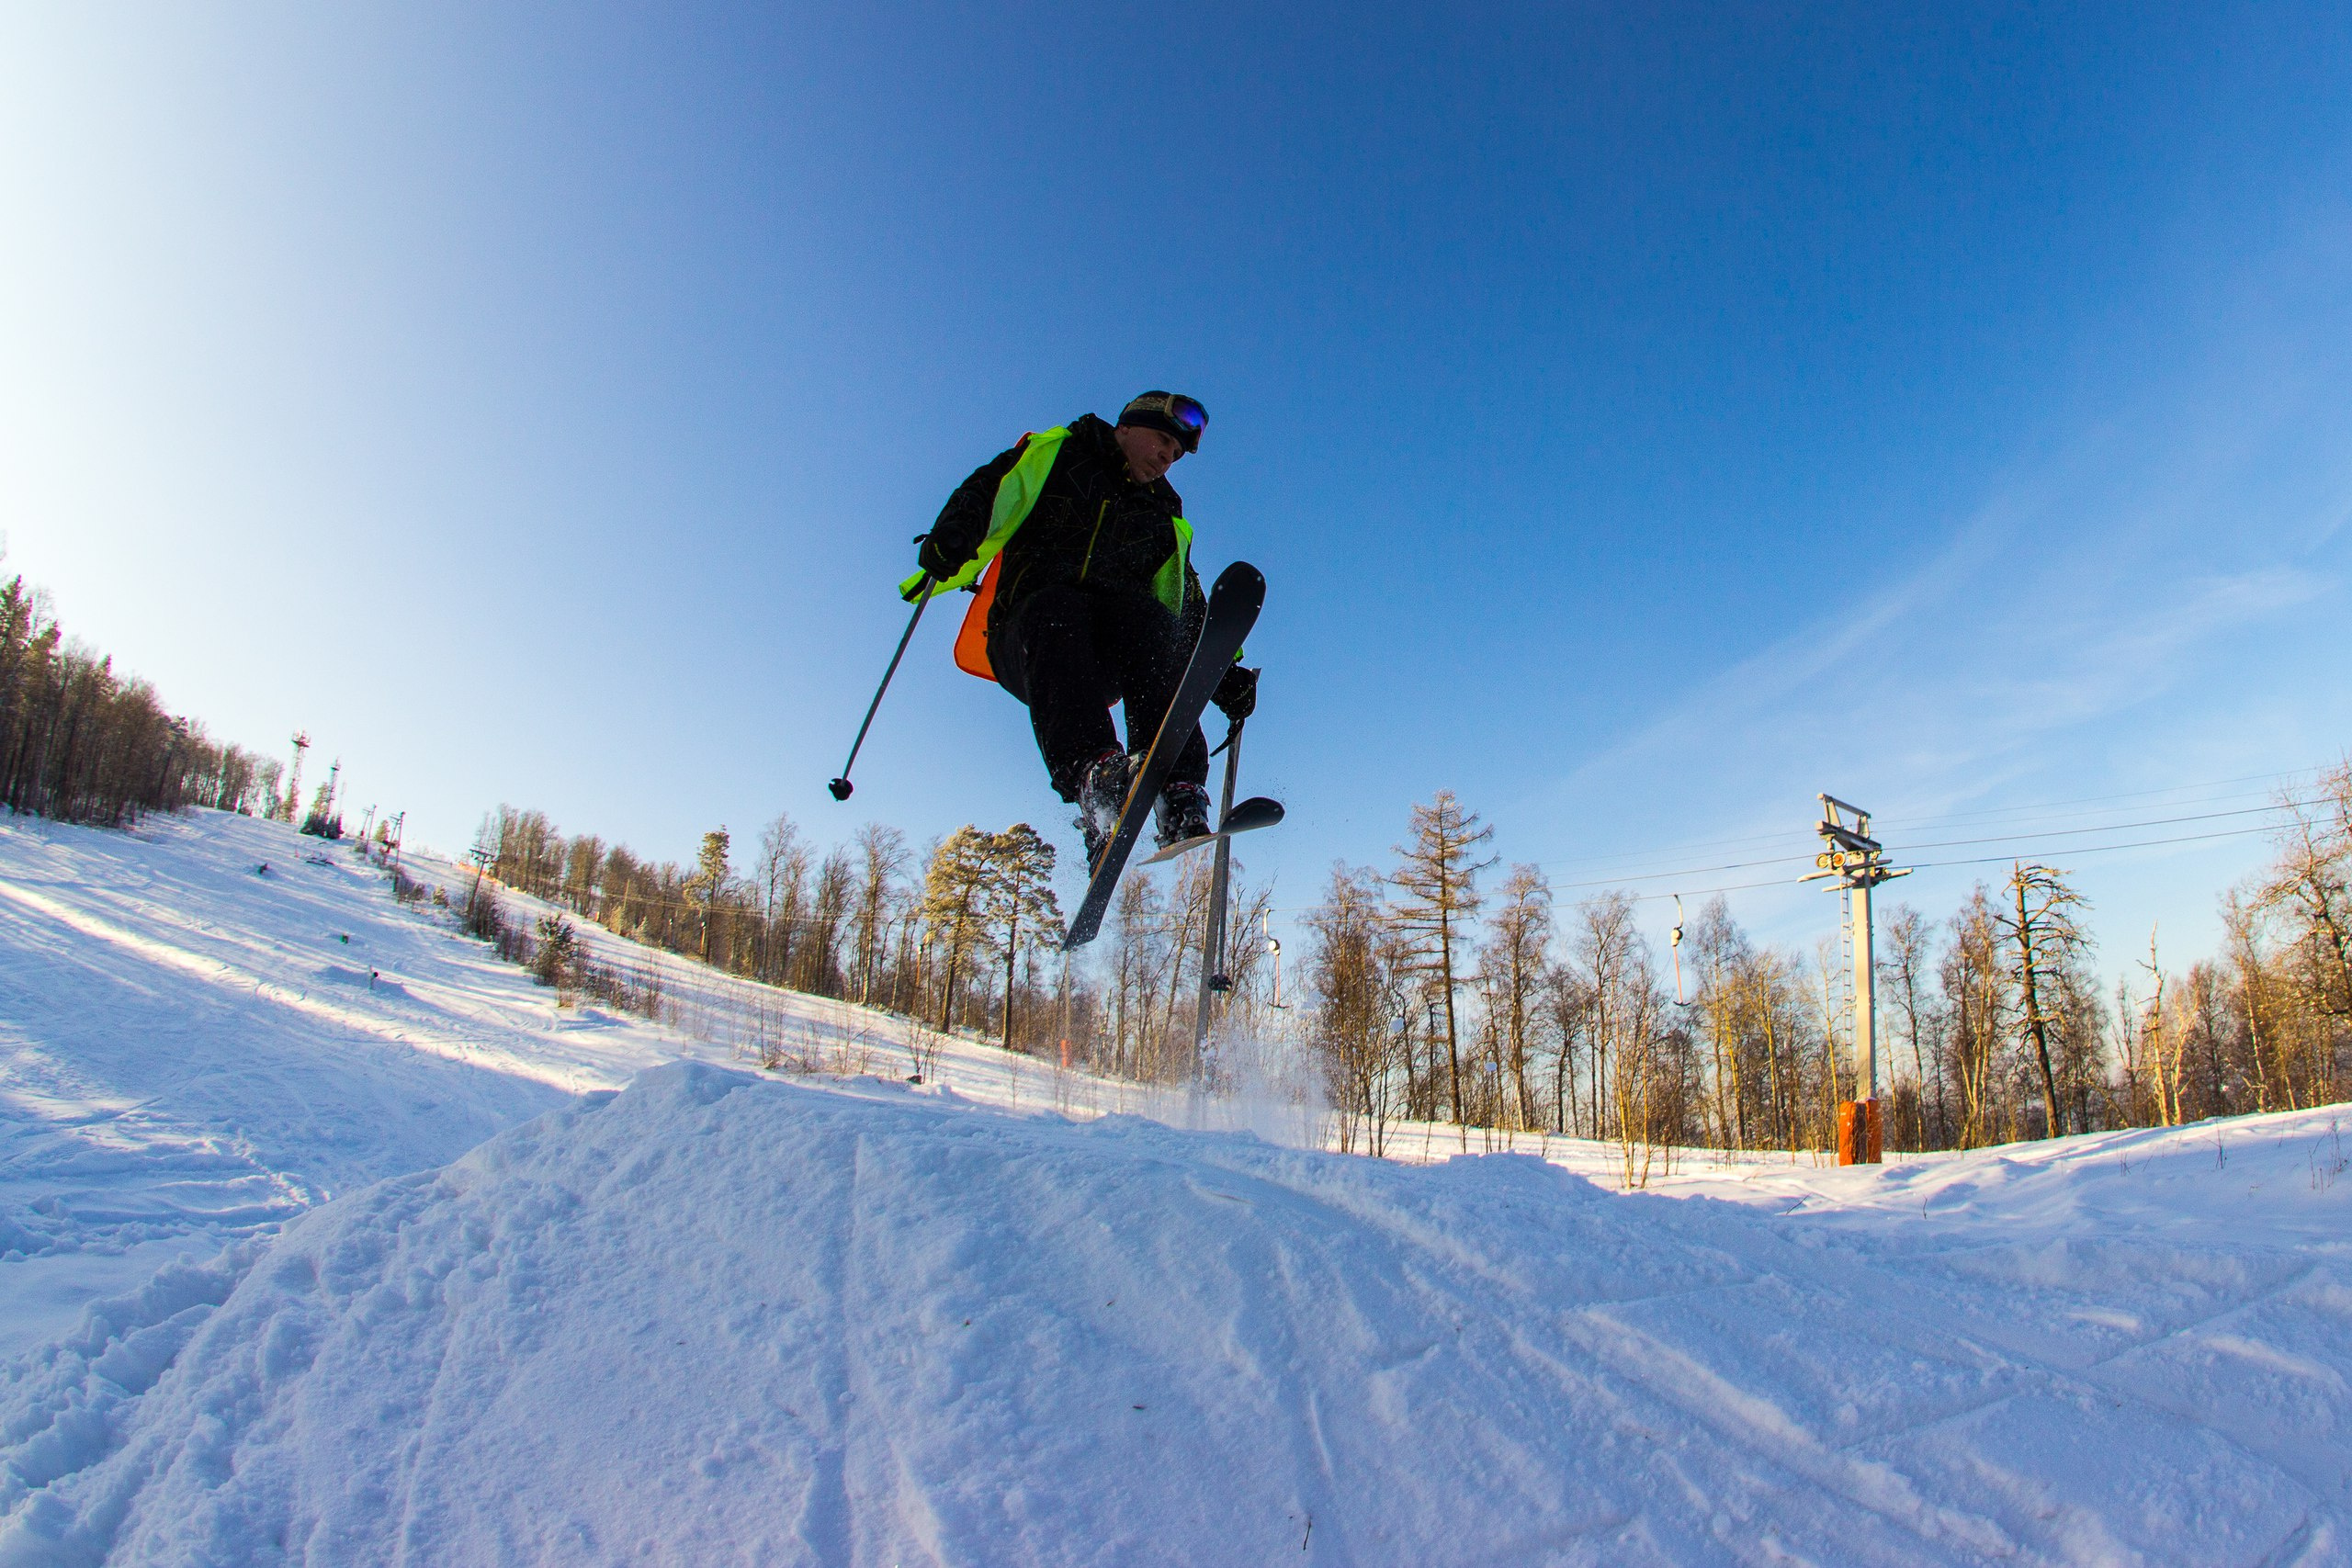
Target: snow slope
<point>193,1051</point>
<point>719,1316</point>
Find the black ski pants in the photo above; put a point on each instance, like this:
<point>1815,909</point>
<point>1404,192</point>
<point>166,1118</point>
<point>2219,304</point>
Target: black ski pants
<point>1071,651</point>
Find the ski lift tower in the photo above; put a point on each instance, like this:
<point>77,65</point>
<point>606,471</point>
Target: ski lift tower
<point>1857,864</point>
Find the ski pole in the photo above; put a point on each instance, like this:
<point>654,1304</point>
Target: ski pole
<point>1214,978</point>
<point>840,786</point>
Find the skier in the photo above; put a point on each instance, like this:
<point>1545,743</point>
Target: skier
<point>1078,547</point>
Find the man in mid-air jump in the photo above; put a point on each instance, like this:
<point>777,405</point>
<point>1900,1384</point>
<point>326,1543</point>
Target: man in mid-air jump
<point>1078,548</point>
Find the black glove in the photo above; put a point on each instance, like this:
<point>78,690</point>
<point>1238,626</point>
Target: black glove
<point>1237,694</point>
<point>932,559</point>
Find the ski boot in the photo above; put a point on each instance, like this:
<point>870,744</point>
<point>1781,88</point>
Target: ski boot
<point>1182,813</point>
<point>1102,791</point>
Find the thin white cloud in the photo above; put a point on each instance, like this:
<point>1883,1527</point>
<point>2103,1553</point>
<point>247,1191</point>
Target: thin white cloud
<point>2159,600</point>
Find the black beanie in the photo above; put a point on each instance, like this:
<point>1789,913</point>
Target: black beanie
<point>1149,410</point>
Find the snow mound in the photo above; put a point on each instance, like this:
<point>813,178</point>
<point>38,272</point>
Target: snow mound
<point>193,1052</point>
<point>719,1318</point>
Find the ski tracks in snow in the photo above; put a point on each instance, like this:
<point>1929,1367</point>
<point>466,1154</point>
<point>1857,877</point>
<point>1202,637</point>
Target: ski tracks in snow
<point>719,1318</point>
<point>881,1328</point>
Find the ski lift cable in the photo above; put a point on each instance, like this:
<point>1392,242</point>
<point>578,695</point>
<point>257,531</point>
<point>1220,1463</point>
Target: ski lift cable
<point>2068,833</point>
<point>2268,780</point>
<point>1985,860</point>
<point>2102,849</point>
<point>1942,844</point>
<point>1995,819</point>
<point>1795,837</point>
<point>1924,865</point>
<point>1962,818</point>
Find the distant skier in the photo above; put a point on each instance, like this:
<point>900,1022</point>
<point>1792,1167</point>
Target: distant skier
<point>1077,548</point>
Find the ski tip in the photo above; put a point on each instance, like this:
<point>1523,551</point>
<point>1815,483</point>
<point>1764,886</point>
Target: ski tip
<point>1240,580</point>
<point>1257,811</point>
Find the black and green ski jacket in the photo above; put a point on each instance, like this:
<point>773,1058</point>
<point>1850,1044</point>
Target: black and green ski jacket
<point>1088,522</point>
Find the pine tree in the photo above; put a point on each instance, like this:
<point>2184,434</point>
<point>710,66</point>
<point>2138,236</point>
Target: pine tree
<point>320,821</point>
<point>954,906</point>
<point>709,881</point>
<point>1019,899</point>
<point>557,954</point>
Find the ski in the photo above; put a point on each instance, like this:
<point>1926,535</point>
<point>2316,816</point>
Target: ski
<point>1257,811</point>
<point>1233,608</point>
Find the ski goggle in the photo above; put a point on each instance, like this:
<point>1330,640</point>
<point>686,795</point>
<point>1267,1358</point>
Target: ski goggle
<point>1186,414</point>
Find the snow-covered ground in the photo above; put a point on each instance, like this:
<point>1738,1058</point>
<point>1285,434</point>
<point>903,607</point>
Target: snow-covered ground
<point>193,1049</point>
<point>728,1316</point>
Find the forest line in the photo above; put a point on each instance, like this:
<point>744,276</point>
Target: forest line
<point>1426,994</point>
<point>1428,991</point>
<point>81,743</point>
<point>1992,1027</point>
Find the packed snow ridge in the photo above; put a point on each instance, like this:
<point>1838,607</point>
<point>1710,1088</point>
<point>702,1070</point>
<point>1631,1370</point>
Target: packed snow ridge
<point>722,1316</point>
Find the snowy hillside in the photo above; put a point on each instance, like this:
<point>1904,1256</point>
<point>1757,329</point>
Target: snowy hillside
<point>194,1049</point>
<point>726,1317</point>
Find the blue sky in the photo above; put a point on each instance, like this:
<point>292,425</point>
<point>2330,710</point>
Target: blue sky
<point>1645,417</point>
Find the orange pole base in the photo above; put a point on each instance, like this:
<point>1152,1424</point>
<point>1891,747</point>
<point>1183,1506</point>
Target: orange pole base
<point>1860,1133</point>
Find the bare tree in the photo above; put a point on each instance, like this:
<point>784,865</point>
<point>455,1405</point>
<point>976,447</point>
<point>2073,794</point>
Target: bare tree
<point>1188,908</point>
<point>782,873</point>
<point>881,861</point>
<point>2269,1030</point>
<point>2044,939</point>
<point>1352,977</point>
<point>1975,988</point>
<point>1616,972</point>
<point>819,947</point>
<point>2309,892</point>
<point>1517,956</point>
<point>1568,1008</point>
<point>1909,957</point>
<point>1138,956</point>
<point>1438,881</point>
<point>2165,1034</point>
<point>1720,955</point>
<point>584,865</point>
<point>906,970</point>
